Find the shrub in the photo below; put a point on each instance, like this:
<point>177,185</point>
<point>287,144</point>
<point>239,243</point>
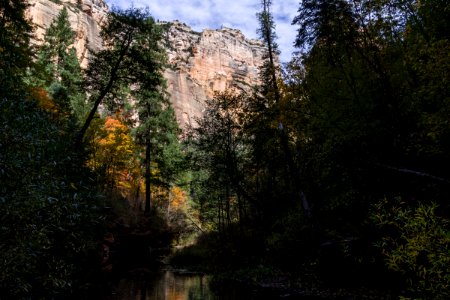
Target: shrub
<point>416,243</point>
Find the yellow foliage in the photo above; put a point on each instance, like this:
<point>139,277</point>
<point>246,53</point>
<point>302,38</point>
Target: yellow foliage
<point>117,136</point>
<point>113,153</point>
<point>178,197</point>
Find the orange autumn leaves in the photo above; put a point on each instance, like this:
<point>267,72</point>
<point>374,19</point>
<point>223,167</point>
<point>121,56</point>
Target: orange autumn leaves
<point>178,199</point>
<point>114,155</point>
<point>117,157</point>
<point>117,137</point>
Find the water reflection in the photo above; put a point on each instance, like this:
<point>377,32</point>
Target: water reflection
<point>164,285</point>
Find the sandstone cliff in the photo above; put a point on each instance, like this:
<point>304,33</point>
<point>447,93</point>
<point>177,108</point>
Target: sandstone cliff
<point>200,63</point>
<point>85,16</point>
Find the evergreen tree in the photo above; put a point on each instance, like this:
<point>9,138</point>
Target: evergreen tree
<point>15,50</point>
<point>58,68</point>
<point>115,69</point>
<point>268,35</point>
<point>368,85</point>
<point>157,128</point>
<point>158,133</point>
<point>48,204</point>
<point>131,65</point>
<point>219,154</point>
<point>269,113</point>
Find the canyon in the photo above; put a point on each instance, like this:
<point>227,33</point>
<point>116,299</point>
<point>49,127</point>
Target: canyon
<point>199,63</point>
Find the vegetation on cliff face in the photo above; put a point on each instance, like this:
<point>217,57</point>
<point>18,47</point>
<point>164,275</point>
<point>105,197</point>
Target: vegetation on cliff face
<point>332,172</point>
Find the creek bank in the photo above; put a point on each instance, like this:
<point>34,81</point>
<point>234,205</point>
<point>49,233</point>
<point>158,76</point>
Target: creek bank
<point>142,254</point>
<point>269,282</point>
<point>286,287</point>
<point>134,246</point>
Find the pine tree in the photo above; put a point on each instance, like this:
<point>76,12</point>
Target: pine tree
<point>220,152</point>
<point>268,35</point>
<point>45,192</point>
<point>15,50</point>
<point>157,130</point>
<point>131,66</point>
<point>60,71</point>
<point>270,112</point>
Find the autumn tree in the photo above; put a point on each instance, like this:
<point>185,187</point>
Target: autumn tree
<point>113,156</point>
<point>130,67</point>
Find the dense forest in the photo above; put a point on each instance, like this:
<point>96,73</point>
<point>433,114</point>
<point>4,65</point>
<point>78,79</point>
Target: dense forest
<point>332,172</point>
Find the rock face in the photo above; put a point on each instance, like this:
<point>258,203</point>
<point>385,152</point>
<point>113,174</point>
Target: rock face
<point>200,63</point>
<point>85,16</point>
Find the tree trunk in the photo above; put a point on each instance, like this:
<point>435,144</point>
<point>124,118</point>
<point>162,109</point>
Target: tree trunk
<point>103,92</point>
<point>147,178</point>
<point>137,202</point>
<point>294,173</point>
<point>240,209</point>
<point>227,205</point>
<point>219,215</point>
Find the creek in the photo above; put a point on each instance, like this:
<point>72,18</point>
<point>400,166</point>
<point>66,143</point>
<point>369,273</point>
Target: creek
<point>162,285</point>
<point>169,284</point>
<point>137,274</point>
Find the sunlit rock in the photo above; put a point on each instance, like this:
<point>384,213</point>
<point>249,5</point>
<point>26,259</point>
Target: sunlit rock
<point>200,63</point>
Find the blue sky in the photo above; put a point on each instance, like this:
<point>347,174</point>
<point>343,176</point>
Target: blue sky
<point>212,14</point>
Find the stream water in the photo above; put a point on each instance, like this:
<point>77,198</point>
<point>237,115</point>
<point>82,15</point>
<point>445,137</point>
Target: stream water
<point>136,277</point>
<point>172,285</point>
<point>163,285</point>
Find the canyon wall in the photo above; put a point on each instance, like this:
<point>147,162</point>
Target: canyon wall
<point>200,63</point>
<point>85,16</point>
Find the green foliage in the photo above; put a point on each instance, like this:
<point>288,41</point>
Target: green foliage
<point>252,277</point>
<point>217,153</point>
<point>194,257</point>
<point>322,21</point>
<point>367,87</point>
<point>292,242</point>
<point>268,70</point>
<point>158,128</point>
<point>50,210</point>
<point>15,53</point>
<point>57,68</point>
<point>130,66</point>
<point>49,213</point>
<point>130,56</point>
<point>361,115</point>
<point>417,245</point>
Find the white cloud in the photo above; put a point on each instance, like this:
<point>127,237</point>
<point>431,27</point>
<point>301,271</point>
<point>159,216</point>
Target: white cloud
<point>239,14</point>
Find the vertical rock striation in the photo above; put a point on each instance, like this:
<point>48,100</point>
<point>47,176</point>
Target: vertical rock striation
<point>200,63</point>
<point>85,16</point>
